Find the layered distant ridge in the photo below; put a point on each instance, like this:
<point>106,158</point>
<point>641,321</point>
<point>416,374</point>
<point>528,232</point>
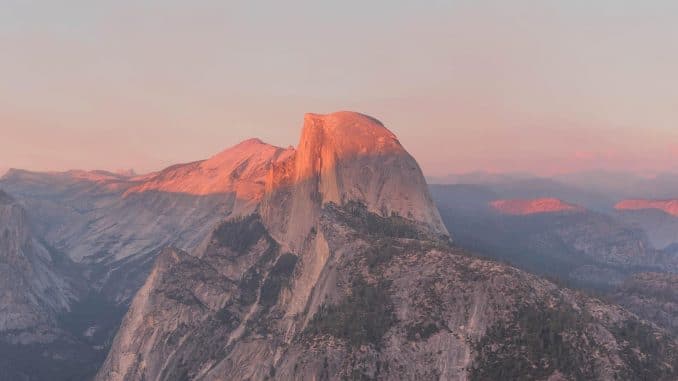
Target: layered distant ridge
<point>523,207</point>
<point>666,206</point>
<point>658,218</point>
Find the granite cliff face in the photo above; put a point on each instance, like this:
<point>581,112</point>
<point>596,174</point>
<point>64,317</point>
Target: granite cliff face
<point>346,271</point>
<point>344,157</point>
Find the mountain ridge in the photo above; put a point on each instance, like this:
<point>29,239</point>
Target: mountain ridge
<point>534,206</point>
<point>669,206</point>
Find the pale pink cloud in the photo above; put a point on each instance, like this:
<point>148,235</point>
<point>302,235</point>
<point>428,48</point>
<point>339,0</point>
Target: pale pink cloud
<point>673,151</point>
<point>608,155</point>
<point>584,155</point>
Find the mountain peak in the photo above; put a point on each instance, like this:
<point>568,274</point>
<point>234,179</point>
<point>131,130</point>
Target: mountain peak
<point>240,170</point>
<point>347,132</point>
<point>251,142</point>
<point>245,150</point>
<point>343,118</point>
<point>342,157</point>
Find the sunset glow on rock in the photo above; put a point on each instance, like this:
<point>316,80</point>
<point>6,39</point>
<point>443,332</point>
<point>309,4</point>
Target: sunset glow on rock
<point>667,206</point>
<point>534,206</point>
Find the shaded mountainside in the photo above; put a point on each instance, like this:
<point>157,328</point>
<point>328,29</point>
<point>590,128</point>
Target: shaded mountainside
<point>653,296</point>
<point>383,305</point>
<point>576,245</point>
<point>661,227</point>
<point>39,289</point>
<point>32,290</point>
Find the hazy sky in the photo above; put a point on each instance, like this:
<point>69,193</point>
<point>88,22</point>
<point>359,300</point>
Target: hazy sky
<point>541,86</point>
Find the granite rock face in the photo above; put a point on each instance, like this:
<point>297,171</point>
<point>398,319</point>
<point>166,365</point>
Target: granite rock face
<point>343,157</point>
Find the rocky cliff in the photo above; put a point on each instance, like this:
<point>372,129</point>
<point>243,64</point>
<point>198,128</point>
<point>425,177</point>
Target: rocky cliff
<point>344,157</point>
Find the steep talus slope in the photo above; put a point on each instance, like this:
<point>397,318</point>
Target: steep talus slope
<point>346,272</point>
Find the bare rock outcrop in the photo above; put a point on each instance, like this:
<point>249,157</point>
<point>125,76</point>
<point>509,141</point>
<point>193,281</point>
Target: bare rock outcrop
<point>341,157</point>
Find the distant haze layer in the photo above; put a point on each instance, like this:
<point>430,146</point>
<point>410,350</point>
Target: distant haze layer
<point>543,87</point>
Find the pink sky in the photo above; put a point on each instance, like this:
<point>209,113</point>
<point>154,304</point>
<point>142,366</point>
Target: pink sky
<point>544,88</point>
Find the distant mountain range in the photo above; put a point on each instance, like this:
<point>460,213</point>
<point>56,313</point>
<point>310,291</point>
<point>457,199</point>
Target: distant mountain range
<point>598,190</point>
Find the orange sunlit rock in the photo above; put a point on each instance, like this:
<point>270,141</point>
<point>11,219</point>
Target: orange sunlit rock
<point>346,156</point>
<point>534,206</point>
<point>241,169</point>
<point>667,206</point>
